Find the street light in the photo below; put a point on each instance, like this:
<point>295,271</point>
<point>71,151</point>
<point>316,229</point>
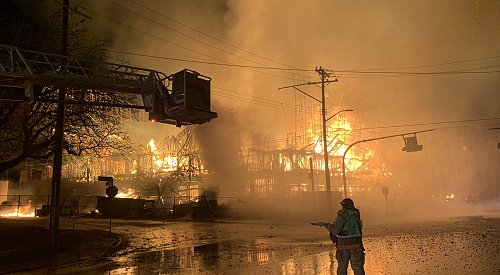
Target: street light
<point>326,154</point>
<point>341,111</point>
<point>407,149</point>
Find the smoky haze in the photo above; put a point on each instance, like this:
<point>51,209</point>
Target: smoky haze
<point>219,144</point>
<point>349,37</point>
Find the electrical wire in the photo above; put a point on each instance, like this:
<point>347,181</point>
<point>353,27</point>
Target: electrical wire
<point>272,104</point>
<point>353,72</point>
<point>339,73</point>
<point>258,100</point>
<point>287,105</point>
<point>396,126</point>
<point>176,44</point>
<point>350,73</point>
<point>358,73</point>
<point>429,123</point>
<point>208,35</point>
<point>184,34</point>
<point>209,63</point>
<point>239,48</point>
<point>436,64</point>
<point>246,100</point>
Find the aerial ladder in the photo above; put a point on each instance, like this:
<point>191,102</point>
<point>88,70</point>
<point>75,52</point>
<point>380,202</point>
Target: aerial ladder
<point>182,98</point>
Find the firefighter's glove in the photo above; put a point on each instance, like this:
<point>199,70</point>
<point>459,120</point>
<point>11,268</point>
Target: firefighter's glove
<point>323,224</point>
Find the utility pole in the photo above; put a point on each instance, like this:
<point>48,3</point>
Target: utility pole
<point>324,75</point>
<point>58,142</point>
<point>324,79</point>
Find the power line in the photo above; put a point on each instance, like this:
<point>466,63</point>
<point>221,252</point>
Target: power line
<point>261,102</point>
<point>345,72</point>
<point>173,43</point>
<point>181,33</point>
<point>277,140</point>
<point>355,72</point>
<point>208,35</point>
<point>384,74</point>
<point>436,64</point>
<point>396,73</point>
<point>208,63</point>
<point>246,100</point>
<point>429,123</point>
<point>342,73</point>
<point>287,105</point>
<point>256,99</point>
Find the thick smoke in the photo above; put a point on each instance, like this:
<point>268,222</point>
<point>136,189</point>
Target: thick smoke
<point>459,157</point>
<point>219,142</point>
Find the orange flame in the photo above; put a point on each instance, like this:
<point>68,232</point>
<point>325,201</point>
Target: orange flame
<point>19,214</point>
<point>22,212</point>
<point>338,140</point>
<point>126,193</point>
<point>162,164</point>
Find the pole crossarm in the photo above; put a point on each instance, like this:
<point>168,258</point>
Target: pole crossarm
<point>308,83</point>
<point>367,140</point>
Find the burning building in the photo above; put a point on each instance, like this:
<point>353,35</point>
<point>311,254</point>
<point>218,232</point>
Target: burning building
<point>279,177</point>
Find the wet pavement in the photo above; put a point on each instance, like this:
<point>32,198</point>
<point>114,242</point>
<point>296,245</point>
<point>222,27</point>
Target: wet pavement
<point>465,245</point>
<point>468,245</point>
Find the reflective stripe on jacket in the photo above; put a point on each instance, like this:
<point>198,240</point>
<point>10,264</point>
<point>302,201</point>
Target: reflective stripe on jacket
<point>351,241</point>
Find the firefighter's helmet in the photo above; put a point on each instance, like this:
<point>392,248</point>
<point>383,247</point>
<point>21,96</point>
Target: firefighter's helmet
<point>347,202</point>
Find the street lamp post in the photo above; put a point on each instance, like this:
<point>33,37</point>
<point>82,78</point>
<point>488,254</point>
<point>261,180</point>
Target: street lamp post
<point>326,153</point>
<point>366,140</point>
<point>341,111</point>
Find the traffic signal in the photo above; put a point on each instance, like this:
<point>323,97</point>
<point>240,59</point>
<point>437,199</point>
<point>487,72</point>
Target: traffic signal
<point>108,180</point>
<point>411,144</point>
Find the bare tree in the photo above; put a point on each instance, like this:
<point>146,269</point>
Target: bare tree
<point>27,128</point>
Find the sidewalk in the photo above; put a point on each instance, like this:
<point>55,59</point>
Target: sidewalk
<point>25,245</point>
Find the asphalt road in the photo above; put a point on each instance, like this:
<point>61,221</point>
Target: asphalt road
<point>459,245</point>
<point>467,245</point>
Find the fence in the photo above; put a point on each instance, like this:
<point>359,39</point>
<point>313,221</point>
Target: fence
<point>274,208</point>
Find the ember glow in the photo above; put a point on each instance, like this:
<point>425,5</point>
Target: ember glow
<point>21,211</point>
<point>450,196</point>
<point>337,143</point>
<point>126,193</point>
<point>19,214</point>
<point>161,163</point>
<point>285,162</point>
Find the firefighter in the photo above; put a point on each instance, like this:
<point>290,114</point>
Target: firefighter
<point>347,228</point>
